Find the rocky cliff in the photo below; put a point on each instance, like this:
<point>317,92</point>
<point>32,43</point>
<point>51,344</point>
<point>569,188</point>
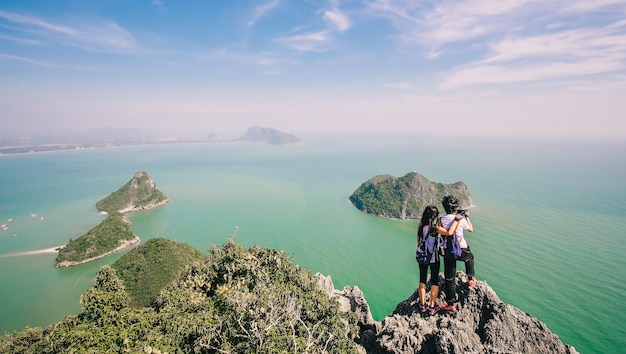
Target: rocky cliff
<point>482,324</point>
<point>405,197</point>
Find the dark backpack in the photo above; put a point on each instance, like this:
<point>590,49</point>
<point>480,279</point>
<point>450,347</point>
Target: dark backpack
<point>422,254</point>
<point>453,247</point>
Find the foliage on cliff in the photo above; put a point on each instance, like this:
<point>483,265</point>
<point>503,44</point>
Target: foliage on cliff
<point>147,269</point>
<point>235,300</point>
<point>138,193</point>
<point>110,234</point>
<point>405,197</point>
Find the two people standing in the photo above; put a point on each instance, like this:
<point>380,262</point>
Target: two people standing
<point>449,226</point>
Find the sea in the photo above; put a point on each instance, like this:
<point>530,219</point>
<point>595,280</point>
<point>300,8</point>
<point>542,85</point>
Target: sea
<point>548,219</point>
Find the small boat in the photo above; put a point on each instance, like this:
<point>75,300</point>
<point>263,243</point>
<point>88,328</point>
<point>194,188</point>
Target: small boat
<point>33,215</point>
<point>10,220</point>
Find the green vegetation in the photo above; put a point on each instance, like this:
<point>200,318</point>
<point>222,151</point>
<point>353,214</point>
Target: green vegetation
<point>405,197</point>
<point>235,300</point>
<point>138,193</point>
<point>102,239</point>
<point>147,269</point>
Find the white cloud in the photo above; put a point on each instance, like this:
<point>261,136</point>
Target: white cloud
<point>261,11</point>
<point>27,60</point>
<point>36,22</point>
<point>489,74</point>
<point>566,44</point>
<point>93,35</point>
<point>339,20</point>
<point>308,42</point>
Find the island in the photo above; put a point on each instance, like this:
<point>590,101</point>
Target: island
<point>269,136</point>
<point>140,193</point>
<point>405,197</point>
<point>114,233</point>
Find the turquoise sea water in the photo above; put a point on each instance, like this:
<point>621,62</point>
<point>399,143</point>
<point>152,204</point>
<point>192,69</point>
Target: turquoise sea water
<point>548,220</point>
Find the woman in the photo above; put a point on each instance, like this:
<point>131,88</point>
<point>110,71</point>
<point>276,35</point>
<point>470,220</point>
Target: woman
<point>428,229</point>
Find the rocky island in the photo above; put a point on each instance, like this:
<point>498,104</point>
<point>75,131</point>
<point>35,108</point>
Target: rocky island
<point>114,233</point>
<point>269,136</point>
<point>255,300</point>
<point>405,197</point>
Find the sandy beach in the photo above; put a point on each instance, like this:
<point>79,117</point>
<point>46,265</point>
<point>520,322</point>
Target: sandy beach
<point>26,253</point>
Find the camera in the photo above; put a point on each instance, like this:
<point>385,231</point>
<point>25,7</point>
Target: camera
<point>463,212</point>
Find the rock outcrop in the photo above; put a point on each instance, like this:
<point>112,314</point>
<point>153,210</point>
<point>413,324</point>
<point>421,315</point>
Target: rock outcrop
<point>405,197</point>
<point>482,324</point>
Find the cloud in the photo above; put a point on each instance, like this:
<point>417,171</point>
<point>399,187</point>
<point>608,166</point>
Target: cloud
<point>307,42</point>
<point>340,21</point>
<point>36,22</point>
<point>261,11</point>
<point>93,35</point>
<point>503,41</point>
<point>27,60</point>
<point>564,54</point>
<point>20,40</point>
<point>486,74</point>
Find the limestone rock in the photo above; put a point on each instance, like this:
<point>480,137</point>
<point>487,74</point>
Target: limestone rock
<point>482,324</point>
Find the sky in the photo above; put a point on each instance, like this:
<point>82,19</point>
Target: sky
<point>464,68</point>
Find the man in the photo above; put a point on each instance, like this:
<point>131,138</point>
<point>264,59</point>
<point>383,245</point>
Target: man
<point>451,205</point>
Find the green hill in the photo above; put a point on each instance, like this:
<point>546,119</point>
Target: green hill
<point>137,194</point>
<point>147,269</point>
<point>405,197</point>
<point>234,300</point>
<point>110,235</point>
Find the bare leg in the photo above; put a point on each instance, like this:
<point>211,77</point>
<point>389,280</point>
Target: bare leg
<point>434,292</point>
<point>422,293</point>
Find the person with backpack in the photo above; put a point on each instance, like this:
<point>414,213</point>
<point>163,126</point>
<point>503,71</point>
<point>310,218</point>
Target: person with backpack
<point>427,255</point>
<point>456,248</point>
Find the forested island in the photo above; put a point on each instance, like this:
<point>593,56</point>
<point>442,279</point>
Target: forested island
<point>114,233</point>
<point>405,197</point>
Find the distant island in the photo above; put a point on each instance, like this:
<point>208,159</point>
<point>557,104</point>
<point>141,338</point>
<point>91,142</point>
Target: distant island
<point>114,233</point>
<point>405,197</point>
<point>270,136</point>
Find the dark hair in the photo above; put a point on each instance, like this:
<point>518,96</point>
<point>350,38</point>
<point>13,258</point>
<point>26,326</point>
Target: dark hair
<point>429,217</point>
<point>450,204</point>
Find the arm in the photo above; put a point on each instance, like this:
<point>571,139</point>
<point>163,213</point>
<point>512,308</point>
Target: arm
<point>470,228</point>
<point>449,232</point>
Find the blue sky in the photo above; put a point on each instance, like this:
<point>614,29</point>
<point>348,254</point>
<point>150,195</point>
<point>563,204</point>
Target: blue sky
<point>469,68</point>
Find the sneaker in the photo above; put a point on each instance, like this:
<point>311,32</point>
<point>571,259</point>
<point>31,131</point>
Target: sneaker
<point>448,307</point>
<point>472,282</point>
<point>422,308</point>
<point>434,309</point>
